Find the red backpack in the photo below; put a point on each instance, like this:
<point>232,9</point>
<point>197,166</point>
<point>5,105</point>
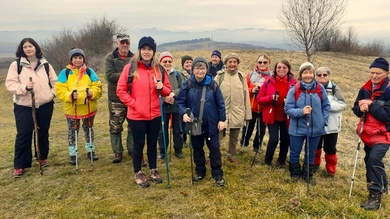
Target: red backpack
<point>298,90</point>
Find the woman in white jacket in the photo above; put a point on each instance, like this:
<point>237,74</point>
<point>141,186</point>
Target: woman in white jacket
<point>329,140</point>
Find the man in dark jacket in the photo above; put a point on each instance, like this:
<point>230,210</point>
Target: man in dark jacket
<point>114,63</point>
<point>216,63</point>
<point>372,105</point>
<point>213,119</point>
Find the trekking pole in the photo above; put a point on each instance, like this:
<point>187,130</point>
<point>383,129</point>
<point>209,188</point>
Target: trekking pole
<point>308,153</point>
<point>188,112</point>
<point>36,136</point>
<point>163,133</point>
<point>170,138</point>
<point>258,135</point>
<point>75,126</point>
<point>244,138</point>
<point>89,125</point>
<point>357,154</point>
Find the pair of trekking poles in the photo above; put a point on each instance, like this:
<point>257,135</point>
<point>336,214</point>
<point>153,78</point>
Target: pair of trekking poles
<point>74,100</point>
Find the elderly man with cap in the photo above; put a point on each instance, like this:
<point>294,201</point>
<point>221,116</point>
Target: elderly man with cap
<point>170,108</point>
<point>372,105</point>
<point>213,118</point>
<point>216,63</point>
<point>114,63</point>
<point>235,93</point>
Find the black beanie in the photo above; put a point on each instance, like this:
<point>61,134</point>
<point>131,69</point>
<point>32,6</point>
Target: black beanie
<point>380,63</point>
<point>147,41</point>
<point>184,59</point>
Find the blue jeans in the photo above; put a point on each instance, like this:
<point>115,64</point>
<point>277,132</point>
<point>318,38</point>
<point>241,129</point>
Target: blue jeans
<point>296,143</point>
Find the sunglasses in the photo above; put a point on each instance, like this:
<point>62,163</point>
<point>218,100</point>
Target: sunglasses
<point>122,36</point>
<point>262,62</point>
<point>167,61</point>
<point>322,75</point>
<point>125,42</point>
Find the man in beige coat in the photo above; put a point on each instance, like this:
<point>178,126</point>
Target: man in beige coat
<point>235,92</point>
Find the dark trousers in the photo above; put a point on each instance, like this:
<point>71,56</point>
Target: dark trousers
<point>24,135</point>
<point>329,142</point>
<point>279,127</point>
<point>258,121</point>
<point>140,129</point>
<point>212,143</point>
<point>177,133</point>
<point>375,169</point>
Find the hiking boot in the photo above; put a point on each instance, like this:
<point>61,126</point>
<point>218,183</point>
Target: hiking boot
<point>18,172</point>
<point>308,177</point>
<point>281,164</point>
<point>140,180</point>
<point>154,176</point>
<point>329,175</point>
<point>94,157</point>
<point>315,169</point>
<point>295,179</point>
<point>179,155</point>
<point>373,202</point>
<point>44,163</point>
<point>161,156</point>
<point>197,178</point>
<point>72,160</point>
<point>295,171</point>
<point>117,158</point>
<point>219,181</point>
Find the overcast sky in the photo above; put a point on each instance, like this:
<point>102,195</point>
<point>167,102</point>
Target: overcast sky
<point>370,18</point>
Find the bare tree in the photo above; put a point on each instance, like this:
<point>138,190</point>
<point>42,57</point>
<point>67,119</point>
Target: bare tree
<point>305,20</point>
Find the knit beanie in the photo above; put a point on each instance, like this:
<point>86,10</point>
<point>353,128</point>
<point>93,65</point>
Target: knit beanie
<point>380,63</point>
<point>147,41</point>
<point>165,54</point>
<point>197,60</point>
<point>185,58</point>
<point>303,67</point>
<point>217,53</point>
<point>75,51</point>
<point>231,55</point>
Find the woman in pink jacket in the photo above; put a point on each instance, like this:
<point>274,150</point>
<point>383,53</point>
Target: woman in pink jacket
<point>140,94</point>
<point>272,95</point>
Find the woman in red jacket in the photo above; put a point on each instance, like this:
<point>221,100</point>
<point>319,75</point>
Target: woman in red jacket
<point>142,99</point>
<point>271,97</point>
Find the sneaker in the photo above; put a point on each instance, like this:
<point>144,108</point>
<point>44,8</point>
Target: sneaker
<point>197,178</point>
<point>220,181</point>
<point>154,176</point>
<point>179,155</point>
<point>18,172</point>
<point>161,156</point>
<point>72,160</point>
<point>140,180</point>
<point>44,163</point>
<point>117,158</point>
<point>94,156</point>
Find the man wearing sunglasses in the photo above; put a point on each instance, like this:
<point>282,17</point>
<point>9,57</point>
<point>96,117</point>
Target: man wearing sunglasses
<point>114,63</point>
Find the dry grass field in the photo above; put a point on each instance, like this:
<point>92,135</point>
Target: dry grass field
<point>107,190</point>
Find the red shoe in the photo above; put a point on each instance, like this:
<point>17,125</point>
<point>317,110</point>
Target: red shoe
<point>44,163</point>
<point>18,172</point>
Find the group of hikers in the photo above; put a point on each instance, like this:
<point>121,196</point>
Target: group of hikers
<point>202,101</point>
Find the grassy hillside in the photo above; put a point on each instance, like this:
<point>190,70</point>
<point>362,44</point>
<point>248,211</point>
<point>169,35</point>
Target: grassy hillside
<point>107,190</point>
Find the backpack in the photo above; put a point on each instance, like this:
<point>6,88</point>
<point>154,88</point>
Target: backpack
<point>298,90</point>
<point>46,65</point>
<point>88,71</point>
<point>189,85</point>
<point>222,76</point>
<point>130,74</point>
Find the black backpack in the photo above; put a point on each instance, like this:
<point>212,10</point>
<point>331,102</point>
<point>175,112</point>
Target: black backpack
<point>46,65</point>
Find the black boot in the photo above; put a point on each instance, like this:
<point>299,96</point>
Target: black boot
<point>308,177</point>
<point>94,156</point>
<point>295,171</point>
<point>72,160</point>
<point>373,202</point>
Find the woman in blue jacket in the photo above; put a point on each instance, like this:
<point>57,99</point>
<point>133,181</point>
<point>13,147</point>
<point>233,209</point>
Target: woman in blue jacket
<point>308,107</point>
<point>213,119</point>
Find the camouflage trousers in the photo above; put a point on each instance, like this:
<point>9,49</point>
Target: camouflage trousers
<point>118,113</point>
<point>72,130</point>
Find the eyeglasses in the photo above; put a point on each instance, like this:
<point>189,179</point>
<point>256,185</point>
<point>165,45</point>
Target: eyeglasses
<point>200,69</point>
<point>121,35</point>
<point>282,67</point>
<point>322,75</point>
<point>125,42</point>
<point>167,61</point>
<point>262,62</point>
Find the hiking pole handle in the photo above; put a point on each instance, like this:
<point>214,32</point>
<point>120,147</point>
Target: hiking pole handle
<point>158,90</point>
<point>188,112</point>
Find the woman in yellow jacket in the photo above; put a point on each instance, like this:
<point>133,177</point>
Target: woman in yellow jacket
<point>78,87</point>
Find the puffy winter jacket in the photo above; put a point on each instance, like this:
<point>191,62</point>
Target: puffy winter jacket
<point>214,108</point>
<point>337,105</point>
<point>143,101</point>
<point>318,118</point>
